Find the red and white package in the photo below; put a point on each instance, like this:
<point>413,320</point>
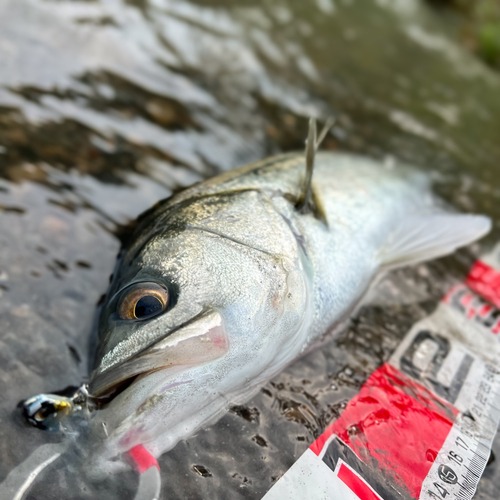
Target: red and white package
<point>423,423</point>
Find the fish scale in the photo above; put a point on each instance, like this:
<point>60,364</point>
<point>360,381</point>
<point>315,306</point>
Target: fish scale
<point>223,285</point>
<point>258,277</point>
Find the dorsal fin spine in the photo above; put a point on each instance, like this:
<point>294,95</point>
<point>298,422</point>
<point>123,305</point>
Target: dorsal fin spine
<point>304,203</point>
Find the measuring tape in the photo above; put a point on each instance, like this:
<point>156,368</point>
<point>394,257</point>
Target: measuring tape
<point>423,423</point>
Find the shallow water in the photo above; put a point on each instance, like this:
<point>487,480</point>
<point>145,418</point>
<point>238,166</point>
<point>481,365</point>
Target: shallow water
<point>107,106</point>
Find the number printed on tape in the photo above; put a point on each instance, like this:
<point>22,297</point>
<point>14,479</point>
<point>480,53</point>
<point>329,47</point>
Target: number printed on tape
<point>423,424</point>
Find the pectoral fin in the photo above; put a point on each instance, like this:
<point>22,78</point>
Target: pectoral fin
<point>424,237</point>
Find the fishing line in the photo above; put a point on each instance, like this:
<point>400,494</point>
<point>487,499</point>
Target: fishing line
<point>31,478</point>
<point>22,477</point>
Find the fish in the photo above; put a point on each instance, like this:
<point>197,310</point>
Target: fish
<point>223,285</point>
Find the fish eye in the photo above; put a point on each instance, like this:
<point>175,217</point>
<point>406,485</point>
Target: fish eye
<point>143,301</point>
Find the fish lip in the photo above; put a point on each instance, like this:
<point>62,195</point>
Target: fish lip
<point>200,340</point>
<point>101,399</point>
<point>103,395</point>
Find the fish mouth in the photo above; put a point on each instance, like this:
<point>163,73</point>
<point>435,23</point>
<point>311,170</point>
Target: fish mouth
<point>201,340</point>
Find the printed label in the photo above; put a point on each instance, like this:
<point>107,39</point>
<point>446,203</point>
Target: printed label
<point>475,308</point>
<point>422,425</point>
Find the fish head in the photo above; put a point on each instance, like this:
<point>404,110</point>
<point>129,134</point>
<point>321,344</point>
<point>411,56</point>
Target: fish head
<point>202,308</point>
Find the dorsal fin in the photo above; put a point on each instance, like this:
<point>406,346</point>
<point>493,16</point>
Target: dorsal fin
<point>305,203</point>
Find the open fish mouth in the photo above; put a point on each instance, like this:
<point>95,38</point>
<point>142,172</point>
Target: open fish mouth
<point>201,340</point>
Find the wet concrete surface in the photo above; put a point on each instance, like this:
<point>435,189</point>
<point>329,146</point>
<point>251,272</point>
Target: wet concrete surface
<point>108,106</point>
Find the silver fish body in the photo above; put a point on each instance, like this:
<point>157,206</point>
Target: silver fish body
<point>249,284</point>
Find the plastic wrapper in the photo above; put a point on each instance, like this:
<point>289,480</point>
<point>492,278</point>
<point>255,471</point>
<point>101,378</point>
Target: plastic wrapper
<point>423,424</point>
